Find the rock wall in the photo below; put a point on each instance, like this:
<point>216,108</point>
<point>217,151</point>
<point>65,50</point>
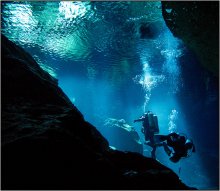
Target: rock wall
<point>122,136</point>
<point>47,144</point>
<point>197,24</point>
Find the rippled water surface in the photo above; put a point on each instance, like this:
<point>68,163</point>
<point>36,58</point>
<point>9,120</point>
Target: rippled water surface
<point>116,60</point>
<point>103,38</point>
<point>78,29</point>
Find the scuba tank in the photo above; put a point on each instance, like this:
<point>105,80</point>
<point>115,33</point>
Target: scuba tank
<point>156,124</point>
<point>153,122</point>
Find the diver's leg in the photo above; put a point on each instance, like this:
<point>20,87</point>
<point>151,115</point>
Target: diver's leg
<point>150,141</point>
<point>163,137</point>
<point>153,152</point>
<point>151,137</point>
<point>154,147</point>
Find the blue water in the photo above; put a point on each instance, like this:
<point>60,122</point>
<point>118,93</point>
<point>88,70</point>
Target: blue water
<point>118,60</point>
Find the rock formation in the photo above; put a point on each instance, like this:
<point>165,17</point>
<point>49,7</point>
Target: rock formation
<point>197,24</point>
<point>122,136</point>
<point>47,144</point>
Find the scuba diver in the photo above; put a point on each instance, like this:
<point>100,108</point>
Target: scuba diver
<point>149,129</point>
<point>180,145</point>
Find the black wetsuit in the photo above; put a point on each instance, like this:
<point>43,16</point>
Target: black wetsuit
<point>177,142</point>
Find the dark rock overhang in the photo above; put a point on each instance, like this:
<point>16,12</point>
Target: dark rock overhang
<point>197,24</point>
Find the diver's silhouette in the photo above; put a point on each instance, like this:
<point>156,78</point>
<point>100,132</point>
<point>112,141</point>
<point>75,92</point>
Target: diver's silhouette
<point>180,145</point>
<point>149,129</point>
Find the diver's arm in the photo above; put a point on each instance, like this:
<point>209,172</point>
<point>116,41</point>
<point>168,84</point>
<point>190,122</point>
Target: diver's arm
<point>175,135</point>
<point>140,119</point>
<point>167,149</point>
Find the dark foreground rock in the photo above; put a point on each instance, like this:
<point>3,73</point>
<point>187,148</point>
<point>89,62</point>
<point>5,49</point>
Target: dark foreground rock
<point>47,144</point>
<point>197,24</point>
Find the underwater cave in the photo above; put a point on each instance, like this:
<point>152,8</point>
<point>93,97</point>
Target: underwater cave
<point>75,76</point>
